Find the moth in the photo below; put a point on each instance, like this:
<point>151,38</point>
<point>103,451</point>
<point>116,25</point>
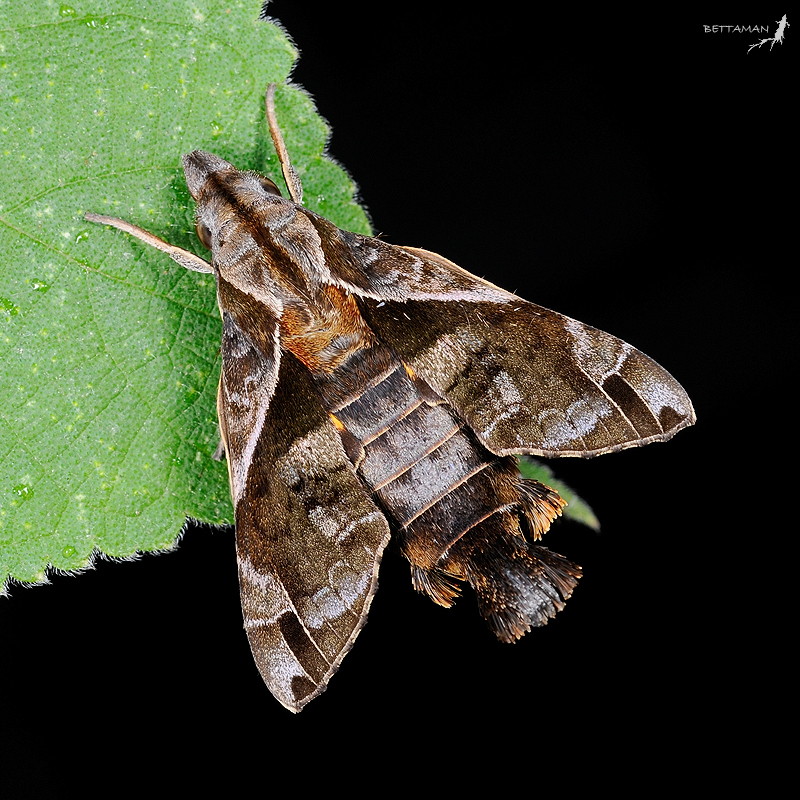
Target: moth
<point>370,390</point>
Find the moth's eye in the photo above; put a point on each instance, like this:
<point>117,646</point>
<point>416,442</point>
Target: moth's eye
<point>269,187</point>
<point>204,234</point>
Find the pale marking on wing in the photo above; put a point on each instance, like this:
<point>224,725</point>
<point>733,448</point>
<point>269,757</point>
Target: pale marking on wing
<point>243,399</point>
<point>579,419</point>
<point>300,466</point>
<point>586,413</point>
<point>445,295</point>
<point>511,400</point>
<point>326,521</point>
<point>300,462</point>
<point>412,272</point>
<point>556,428</point>
<point>448,353</point>
<point>652,390</point>
<point>587,357</point>
<point>417,280</point>
<point>273,600</point>
<point>284,667</point>
<point>266,582</point>
<point>586,362</point>
<point>346,588</point>
<point>659,395</point>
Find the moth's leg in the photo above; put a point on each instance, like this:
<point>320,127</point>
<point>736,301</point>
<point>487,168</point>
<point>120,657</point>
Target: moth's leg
<point>219,453</point>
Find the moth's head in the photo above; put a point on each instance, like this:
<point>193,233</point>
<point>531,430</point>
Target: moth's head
<point>221,192</point>
<point>199,166</point>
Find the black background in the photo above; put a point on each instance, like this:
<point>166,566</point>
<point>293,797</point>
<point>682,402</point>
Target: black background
<point>628,171</point>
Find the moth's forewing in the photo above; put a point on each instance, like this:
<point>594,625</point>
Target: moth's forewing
<point>525,379</point>
<point>528,380</point>
<point>308,539</point>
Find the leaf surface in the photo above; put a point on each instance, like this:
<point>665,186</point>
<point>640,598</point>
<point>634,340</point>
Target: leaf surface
<point>108,350</point>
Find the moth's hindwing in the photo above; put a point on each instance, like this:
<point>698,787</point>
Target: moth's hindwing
<point>308,539</point>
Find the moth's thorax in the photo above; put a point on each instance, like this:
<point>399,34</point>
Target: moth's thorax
<point>325,333</point>
<point>266,248</point>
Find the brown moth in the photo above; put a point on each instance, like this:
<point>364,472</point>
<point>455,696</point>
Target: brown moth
<point>369,388</point>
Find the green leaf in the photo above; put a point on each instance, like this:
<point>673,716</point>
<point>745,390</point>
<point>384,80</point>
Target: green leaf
<point>108,349</point>
<point>577,509</point>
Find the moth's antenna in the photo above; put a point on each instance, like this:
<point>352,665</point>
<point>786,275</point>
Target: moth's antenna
<point>183,257</point>
<point>290,175</point>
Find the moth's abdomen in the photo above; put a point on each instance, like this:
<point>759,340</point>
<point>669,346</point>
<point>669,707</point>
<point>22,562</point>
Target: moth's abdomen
<point>459,511</point>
